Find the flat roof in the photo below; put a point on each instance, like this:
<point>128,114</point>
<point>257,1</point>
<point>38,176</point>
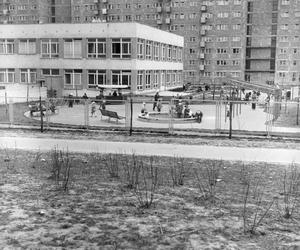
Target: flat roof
<point>78,30</point>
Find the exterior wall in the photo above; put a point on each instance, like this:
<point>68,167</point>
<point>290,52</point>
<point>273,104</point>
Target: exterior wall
<point>133,31</point>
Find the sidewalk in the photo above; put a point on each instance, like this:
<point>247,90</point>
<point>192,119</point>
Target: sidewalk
<point>270,155</point>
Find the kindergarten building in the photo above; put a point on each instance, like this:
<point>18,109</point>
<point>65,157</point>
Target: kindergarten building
<point>83,58</point>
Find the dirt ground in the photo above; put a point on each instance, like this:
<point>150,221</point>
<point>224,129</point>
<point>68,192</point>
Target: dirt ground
<point>99,210</point>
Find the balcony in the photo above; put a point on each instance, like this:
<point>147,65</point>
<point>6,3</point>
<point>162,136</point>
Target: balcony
<point>5,11</point>
<point>168,9</point>
<point>201,67</point>
<point>202,44</point>
<point>203,20</point>
<point>95,12</point>
<point>104,11</point>
<point>168,20</point>
<point>203,8</point>
<point>159,9</point>
<point>104,1</point>
<point>159,21</point>
<point>201,56</point>
<point>202,32</point>
<point>95,1</point>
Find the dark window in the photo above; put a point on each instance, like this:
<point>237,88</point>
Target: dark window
<point>250,7</point>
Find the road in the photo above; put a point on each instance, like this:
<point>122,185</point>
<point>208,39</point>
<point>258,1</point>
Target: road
<point>271,155</point>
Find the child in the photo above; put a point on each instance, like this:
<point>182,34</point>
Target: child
<point>159,105</point>
<point>93,109</point>
<point>144,110</point>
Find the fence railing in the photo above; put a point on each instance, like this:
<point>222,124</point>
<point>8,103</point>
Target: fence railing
<point>266,118</point>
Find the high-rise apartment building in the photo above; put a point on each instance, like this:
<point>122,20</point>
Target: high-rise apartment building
<point>252,40</point>
<point>35,11</point>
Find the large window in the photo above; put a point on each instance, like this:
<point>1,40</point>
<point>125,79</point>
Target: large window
<point>156,51</point>
<point>169,53</point>
<point>6,46</point>
<point>96,78</point>
<point>7,75</point>
<point>168,78</point>
<point>140,76</point>
<point>121,77</point>
<point>96,48</point>
<point>174,53</point>
<point>49,48</point>
<point>72,48</point>
<point>73,77</point>
<point>163,78</point>
<point>148,79</point>
<point>140,49</point>
<point>28,76</point>
<point>148,50</point>
<point>27,46</point>
<point>155,79</point>
<point>163,52</point>
<point>121,48</point>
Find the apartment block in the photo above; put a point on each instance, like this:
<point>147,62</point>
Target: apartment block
<point>35,11</point>
<point>87,57</point>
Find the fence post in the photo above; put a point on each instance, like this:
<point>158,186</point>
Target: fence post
<point>11,111</point>
<point>171,116</point>
<point>48,111</point>
<point>86,113</point>
<point>41,114</point>
<point>230,119</point>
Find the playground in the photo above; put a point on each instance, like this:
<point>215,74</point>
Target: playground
<point>215,116</point>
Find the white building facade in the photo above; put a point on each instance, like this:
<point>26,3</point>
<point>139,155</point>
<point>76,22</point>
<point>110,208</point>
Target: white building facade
<point>87,57</point>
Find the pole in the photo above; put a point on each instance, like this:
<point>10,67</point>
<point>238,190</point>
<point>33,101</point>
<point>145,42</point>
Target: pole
<point>131,112</point>
<point>230,120</point>
<point>41,110</point>
<point>297,121</point>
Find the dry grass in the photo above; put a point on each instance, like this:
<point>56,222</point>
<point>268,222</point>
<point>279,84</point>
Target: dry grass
<point>102,212</point>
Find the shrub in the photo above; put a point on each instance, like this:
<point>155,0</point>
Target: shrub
<point>147,186</point>
<point>177,172</point>
<point>61,166</point>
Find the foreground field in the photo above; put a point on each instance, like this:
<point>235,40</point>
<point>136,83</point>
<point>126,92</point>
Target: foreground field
<point>57,200</point>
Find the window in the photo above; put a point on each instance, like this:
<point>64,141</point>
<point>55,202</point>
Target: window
<point>222,26</point>
<point>163,52</point>
<point>28,76</point>
<point>174,54</point>
<point>169,53</point>
<point>238,14</point>
<point>121,77</point>
<point>148,79</point>
<point>96,78</point>
<point>156,51</point>
<point>235,50</point>
<point>72,48</point>
<point>96,48</point>
<point>140,48</point>
<point>140,76</point>
<point>221,62</point>
<point>236,38</point>
<point>121,48</point>
<point>236,26</point>
<point>27,46</point>
<point>173,79</point>
<point>163,78</point>
<point>6,46</point>
<point>73,77</point>
<point>50,72</point>
<point>7,75</point>
<point>148,50</point>
<point>155,79</point>
<point>221,51</point>
<point>168,78</point>
<point>49,48</point>
<point>179,76</point>
<point>237,2</point>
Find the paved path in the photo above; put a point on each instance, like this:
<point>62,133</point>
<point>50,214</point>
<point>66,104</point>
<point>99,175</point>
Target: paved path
<point>161,149</point>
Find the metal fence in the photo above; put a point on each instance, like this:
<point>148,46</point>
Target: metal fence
<point>220,117</point>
